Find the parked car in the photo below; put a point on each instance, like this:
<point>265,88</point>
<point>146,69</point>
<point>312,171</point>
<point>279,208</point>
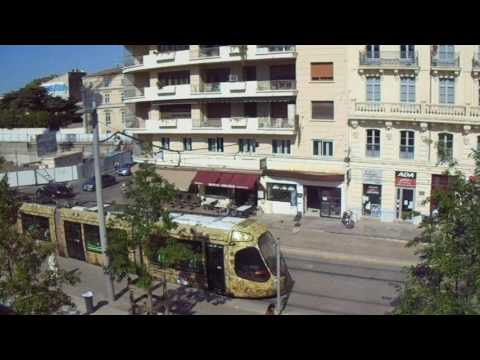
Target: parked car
<point>107,180</point>
<point>56,191</point>
<point>124,170</point>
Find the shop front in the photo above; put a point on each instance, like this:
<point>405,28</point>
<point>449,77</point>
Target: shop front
<point>312,194</point>
<point>372,193</point>
<point>405,185</point>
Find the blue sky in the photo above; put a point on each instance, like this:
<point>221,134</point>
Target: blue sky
<point>19,64</point>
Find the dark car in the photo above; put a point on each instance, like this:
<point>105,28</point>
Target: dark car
<point>124,170</point>
<point>107,180</point>
<point>56,191</point>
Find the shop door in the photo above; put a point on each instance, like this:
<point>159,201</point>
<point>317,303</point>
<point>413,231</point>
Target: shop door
<point>215,268</point>
<point>331,204</point>
<point>405,203</point>
<point>73,238</point>
<point>313,198</point>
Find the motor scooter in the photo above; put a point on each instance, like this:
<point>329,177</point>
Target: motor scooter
<point>347,219</point>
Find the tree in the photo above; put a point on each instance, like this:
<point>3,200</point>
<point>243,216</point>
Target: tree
<point>447,281</point>
<point>146,219</point>
<point>24,284</point>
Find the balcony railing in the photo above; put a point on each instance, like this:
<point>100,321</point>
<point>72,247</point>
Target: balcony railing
<point>131,60</point>
<point>205,52</point>
<point>206,88</point>
<point>449,62</point>
<point>167,123</point>
<point>453,112</point>
<point>207,123</point>
<point>133,92</point>
<point>267,49</point>
<point>175,115</point>
<point>272,85</point>
<point>389,58</point>
<point>275,123</point>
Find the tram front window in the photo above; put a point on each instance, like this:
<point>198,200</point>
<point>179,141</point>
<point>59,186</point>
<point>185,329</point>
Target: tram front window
<point>249,265</point>
<point>266,243</point>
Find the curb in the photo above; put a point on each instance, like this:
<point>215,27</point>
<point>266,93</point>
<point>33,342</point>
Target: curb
<point>346,257</point>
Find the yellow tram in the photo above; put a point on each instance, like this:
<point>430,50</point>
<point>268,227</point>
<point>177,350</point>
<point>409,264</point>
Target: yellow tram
<point>238,256</point>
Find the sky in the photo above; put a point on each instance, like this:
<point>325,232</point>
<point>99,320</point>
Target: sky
<point>20,64</point>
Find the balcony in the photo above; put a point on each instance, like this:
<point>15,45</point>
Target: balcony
<point>238,122</point>
<point>204,52</point>
<point>167,123</point>
<point>207,123</point>
<point>275,49</point>
<point>276,85</point>
<point>388,60</point>
<point>133,93</point>
<point>267,123</point>
<point>416,112</point>
<point>446,63</point>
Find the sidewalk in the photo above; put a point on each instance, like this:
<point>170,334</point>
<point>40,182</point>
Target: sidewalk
<point>369,242</point>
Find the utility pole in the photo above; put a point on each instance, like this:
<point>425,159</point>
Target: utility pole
<point>279,302</point>
<point>100,208</point>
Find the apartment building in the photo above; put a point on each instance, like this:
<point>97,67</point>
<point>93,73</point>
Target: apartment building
<point>413,108</point>
<point>67,86</point>
<point>234,125</point>
<point>106,88</point>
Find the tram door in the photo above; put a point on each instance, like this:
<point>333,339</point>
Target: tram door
<point>73,238</point>
<point>215,268</point>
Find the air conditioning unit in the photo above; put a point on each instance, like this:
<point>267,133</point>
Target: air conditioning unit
<point>233,78</point>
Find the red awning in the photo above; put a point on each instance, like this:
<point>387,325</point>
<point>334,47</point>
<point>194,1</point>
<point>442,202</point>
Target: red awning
<point>226,179</point>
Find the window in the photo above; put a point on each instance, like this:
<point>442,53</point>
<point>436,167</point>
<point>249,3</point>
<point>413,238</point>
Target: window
<point>165,142</point>
<point>246,145</point>
<point>169,48</point>
<point>282,193</point>
<point>187,144</point>
<point>215,144</point>
<point>249,73</point>
<point>281,146</point>
<point>407,51</point>
<point>266,244</point>
<point>445,147</point>
<point>124,118</point>
<point>106,98</point>
<point>446,53</point>
<point>373,143</point>
<point>447,91</point>
<point>174,78</point>
<point>249,265</point>
<point>407,144</point>
<point>37,226</point>
<point>322,110</point>
<point>108,119</point>
<point>373,51</point>
<point>478,143</point>
<point>92,238</point>
<point>407,90</point>
<point>373,89</point>
<point>323,147</point>
<point>250,110</point>
<point>107,81</point>
<point>321,71</point>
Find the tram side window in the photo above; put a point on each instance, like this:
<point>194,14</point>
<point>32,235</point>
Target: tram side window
<point>38,226</point>
<point>193,265</point>
<point>73,231</point>
<point>249,265</point>
<point>92,238</point>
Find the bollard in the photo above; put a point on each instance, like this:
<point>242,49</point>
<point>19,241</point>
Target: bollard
<point>88,297</point>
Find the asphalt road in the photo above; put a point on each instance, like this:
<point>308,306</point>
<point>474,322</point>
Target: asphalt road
<point>339,288</point>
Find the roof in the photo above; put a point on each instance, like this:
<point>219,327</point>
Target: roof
<point>111,71</point>
<point>211,222</point>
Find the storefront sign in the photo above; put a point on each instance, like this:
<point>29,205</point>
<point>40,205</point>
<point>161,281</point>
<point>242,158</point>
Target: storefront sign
<point>405,178</point>
<point>373,176</point>
<point>372,190</point>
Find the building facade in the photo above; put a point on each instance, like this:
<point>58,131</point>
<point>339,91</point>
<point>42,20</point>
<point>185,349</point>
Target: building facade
<point>68,86</point>
<point>317,129</point>
<point>106,88</point>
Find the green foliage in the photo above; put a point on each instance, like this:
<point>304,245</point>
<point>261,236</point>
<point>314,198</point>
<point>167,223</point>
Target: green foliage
<point>31,106</point>
<point>23,283</point>
<point>447,281</point>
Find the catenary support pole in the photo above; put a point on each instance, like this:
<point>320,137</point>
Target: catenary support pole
<point>279,305</point>
<point>100,207</point>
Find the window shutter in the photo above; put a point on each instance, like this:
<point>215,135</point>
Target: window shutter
<point>322,71</point>
<point>323,110</point>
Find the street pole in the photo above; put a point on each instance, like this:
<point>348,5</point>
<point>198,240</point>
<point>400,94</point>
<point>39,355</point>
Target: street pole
<point>279,306</point>
<point>100,208</point>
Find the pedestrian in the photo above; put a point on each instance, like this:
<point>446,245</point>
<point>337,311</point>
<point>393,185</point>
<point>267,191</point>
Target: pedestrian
<point>270,310</point>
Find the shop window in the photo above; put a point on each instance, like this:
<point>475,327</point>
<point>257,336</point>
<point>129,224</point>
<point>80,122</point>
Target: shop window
<point>373,143</point>
<point>282,193</point>
<point>445,147</point>
<point>37,226</point>
<point>92,238</point>
<point>372,200</point>
<point>246,145</point>
<point>281,146</point>
<point>250,266</point>
<point>407,145</point>
<point>217,191</point>
<point>323,148</point>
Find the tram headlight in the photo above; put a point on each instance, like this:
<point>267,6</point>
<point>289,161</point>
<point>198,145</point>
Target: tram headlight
<point>240,236</point>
